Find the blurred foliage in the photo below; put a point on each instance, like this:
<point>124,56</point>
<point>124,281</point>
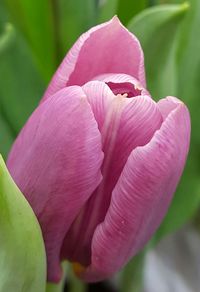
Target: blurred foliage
<point>35,19</point>
<point>107,9</point>
<point>20,86</point>
<point>188,85</point>
<point>127,9</point>
<point>159,30</point>
<point>83,14</point>
<point>35,35</point>
<point>7,136</point>
<point>172,60</point>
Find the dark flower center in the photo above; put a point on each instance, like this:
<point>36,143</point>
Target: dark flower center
<point>124,88</point>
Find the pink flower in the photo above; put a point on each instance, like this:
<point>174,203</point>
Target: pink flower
<point>99,160</point>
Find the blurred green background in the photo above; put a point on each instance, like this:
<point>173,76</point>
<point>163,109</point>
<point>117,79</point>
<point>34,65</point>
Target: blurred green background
<point>35,36</point>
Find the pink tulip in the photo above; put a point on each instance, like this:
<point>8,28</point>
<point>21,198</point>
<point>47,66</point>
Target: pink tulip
<point>99,160</point>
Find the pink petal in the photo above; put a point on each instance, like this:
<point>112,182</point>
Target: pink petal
<point>93,55</point>
<point>142,195</point>
<point>56,163</point>
<point>124,123</point>
<point>168,104</point>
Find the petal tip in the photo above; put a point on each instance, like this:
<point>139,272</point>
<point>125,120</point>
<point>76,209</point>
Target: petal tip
<point>116,19</point>
<point>175,100</point>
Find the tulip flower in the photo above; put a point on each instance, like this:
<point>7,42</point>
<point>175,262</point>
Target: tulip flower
<point>99,160</point>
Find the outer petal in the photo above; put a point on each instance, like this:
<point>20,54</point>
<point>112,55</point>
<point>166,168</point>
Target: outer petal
<point>142,195</point>
<point>93,55</point>
<point>56,163</point>
<point>127,123</point>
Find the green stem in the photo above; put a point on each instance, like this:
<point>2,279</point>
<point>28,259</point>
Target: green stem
<point>60,286</point>
<point>132,275</point>
<point>75,285</point>
<point>54,288</point>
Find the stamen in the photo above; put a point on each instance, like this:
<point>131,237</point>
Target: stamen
<point>78,268</point>
<point>124,95</point>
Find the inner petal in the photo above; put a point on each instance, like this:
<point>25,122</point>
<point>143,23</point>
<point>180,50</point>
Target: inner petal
<point>124,88</point>
<point>124,125</point>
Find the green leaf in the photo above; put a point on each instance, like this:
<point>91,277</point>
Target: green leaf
<point>22,253</point>
<point>20,85</point>
<point>156,28</point>
<point>35,19</point>
<point>75,17</point>
<point>127,9</point>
